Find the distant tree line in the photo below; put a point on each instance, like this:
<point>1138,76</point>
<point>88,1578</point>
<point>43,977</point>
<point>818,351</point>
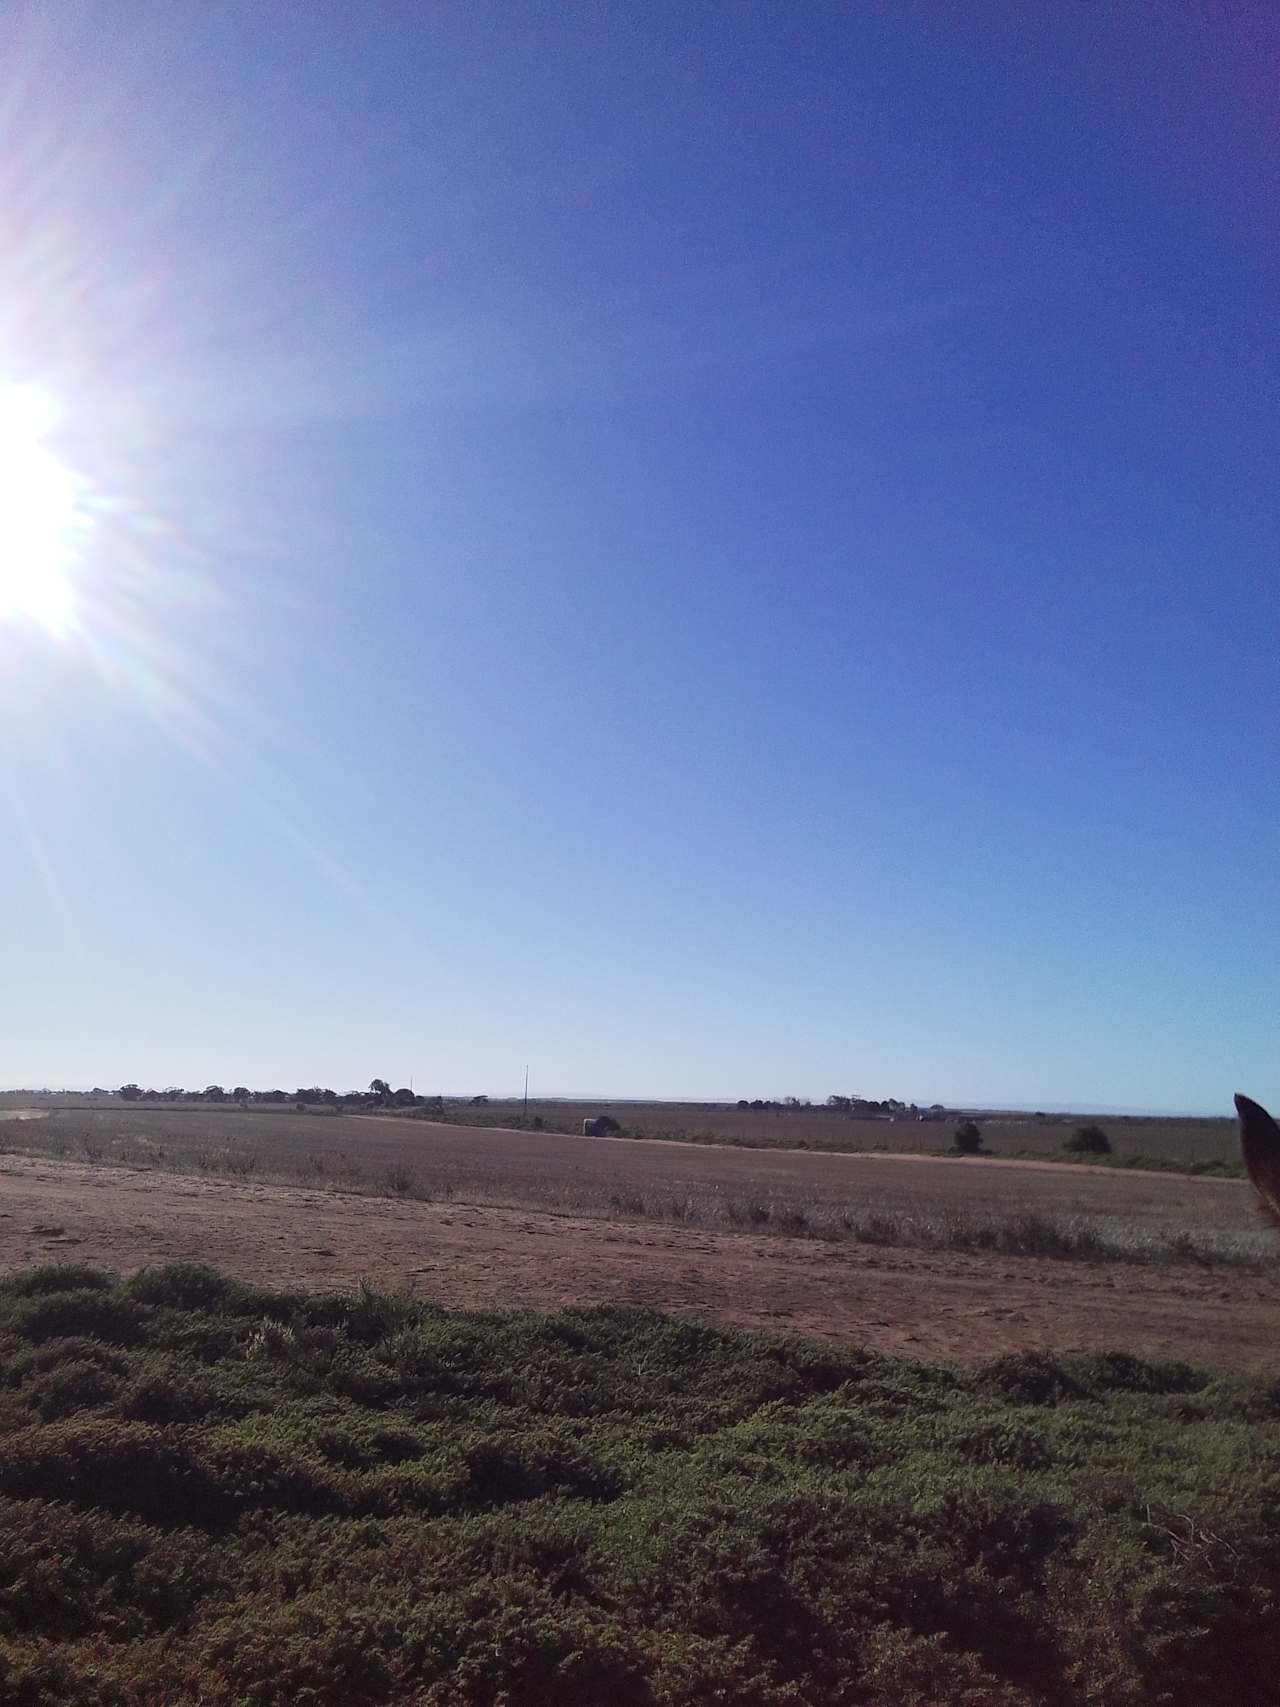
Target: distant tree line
<point>379,1095</point>
<point>867,1107</point>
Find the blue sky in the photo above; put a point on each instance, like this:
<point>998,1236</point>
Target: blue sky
<point>714,550</point>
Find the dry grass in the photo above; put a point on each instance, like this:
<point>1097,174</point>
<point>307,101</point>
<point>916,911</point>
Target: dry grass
<point>1019,1233</point>
<point>1180,1141</point>
<point>1186,1143</point>
<point>973,1205</point>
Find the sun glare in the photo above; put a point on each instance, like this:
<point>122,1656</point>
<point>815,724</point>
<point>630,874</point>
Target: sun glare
<point>41,515</point>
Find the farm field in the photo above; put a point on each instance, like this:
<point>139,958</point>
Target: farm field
<point>633,1178</point>
<point>1180,1140</point>
<point>498,1218</point>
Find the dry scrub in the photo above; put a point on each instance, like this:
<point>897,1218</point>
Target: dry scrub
<point>971,1206</point>
<point>213,1494</point>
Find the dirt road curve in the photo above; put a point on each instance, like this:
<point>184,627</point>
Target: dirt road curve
<point>922,1304</point>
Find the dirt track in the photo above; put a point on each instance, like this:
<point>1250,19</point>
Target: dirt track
<point>931,1305</point>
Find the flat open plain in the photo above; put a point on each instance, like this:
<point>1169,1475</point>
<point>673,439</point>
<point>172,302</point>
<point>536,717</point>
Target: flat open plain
<point>543,1219</point>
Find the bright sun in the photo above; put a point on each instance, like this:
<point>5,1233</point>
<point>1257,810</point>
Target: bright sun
<point>41,518</point>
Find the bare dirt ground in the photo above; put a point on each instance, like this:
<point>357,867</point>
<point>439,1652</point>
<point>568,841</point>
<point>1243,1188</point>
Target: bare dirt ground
<point>942,1306</point>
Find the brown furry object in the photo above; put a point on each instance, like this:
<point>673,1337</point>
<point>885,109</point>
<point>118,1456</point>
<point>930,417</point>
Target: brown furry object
<point>1260,1145</point>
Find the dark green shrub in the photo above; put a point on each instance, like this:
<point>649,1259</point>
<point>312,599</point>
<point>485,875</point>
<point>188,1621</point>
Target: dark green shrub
<point>56,1277</point>
<point>1103,1372</point>
<point>363,1499</point>
<point>502,1471</point>
<point>1088,1141</point>
<point>39,1359</point>
<point>311,1652</point>
<point>1004,1440</point>
<point>154,1397</point>
<point>118,1466</point>
<point>199,1339</point>
<point>367,1314</point>
<point>967,1139</point>
<point>91,1313</point>
<point>65,1573</point>
<point>366,1379</point>
<point>181,1285</point>
<point>1029,1378</point>
<point>535,1650</point>
<point>162,1475</point>
<point>73,1386</point>
<point>46,1678</point>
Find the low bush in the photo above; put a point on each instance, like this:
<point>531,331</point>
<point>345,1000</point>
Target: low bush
<point>57,1277</point>
<point>967,1139</point>
<point>85,1310</point>
<point>264,1498</point>
<point>75,1385</point>
<point>184,1285</point>
<point>1088,1141</point>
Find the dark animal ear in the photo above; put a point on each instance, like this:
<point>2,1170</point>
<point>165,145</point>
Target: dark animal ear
<point>1260,1144</point>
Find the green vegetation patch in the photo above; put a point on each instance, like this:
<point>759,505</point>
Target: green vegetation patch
<point>213,1493</point>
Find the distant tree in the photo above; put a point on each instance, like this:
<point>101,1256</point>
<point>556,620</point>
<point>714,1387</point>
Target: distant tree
<point>842,1103</point>
<point>328,1096</point>
<point>479,1101</point>
<point>240,1094</point>
<point>968,1138</point>
<point>1088,1141</point>
<point>381,1089</point>
<point>743,1103</point>
<point>214,1093</point>
<point>130,1092</point>
<point>403,1098</point>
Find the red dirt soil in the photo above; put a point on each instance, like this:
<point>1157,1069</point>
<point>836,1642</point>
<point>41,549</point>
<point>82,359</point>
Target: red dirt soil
<point>950,1307</point>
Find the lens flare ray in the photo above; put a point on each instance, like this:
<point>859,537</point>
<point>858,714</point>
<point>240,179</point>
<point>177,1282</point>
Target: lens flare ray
<point>43,514</point>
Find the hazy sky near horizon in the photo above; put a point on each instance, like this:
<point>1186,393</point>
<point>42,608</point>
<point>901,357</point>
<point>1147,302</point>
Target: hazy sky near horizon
<point>715,550</point>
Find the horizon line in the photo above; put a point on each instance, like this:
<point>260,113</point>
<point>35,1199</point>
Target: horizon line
<point>966,1106</point>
